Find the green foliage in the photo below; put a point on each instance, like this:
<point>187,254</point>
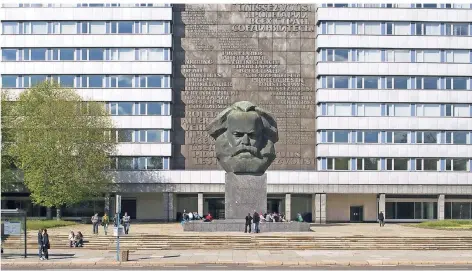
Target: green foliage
<point>37,224</point>
<point>446,224</point>
<point>60,145</point>
<point>9,176</point>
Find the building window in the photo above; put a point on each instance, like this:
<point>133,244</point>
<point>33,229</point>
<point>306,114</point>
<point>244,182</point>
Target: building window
<point>9,54</point>
<point>456,164</point>
<point>338,163</point>
<point>400,164</point>
<point>427,164</point>
<point>367,163</point>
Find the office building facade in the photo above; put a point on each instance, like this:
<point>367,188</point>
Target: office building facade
<point>373,102</point>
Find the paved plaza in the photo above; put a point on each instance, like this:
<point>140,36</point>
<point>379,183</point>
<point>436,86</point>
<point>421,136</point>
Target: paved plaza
<point>82,258</point>
<point>332,230</point>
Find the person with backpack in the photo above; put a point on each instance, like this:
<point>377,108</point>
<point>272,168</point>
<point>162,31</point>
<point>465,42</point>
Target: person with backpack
<point>105,222</point>
<point>381,219</point>
<point>94,220</point>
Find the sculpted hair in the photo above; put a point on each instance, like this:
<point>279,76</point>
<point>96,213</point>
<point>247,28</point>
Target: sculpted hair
<point>219,125</point>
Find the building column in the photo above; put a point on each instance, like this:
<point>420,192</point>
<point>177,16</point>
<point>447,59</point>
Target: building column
<point>288,207</point>
<point>107,204</point>
<point>320,208</point>
<point>200,204</point>
<point>169,206</point>
<point>48,213</point>
<point>441,207</point>
<point>382,204</point>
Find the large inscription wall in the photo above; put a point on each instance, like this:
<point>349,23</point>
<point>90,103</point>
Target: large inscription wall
<point>227,53</point>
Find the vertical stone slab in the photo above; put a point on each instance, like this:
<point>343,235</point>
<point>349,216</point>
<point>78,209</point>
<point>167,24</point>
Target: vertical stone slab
<point>288,207</point>
<point>169,206</point>
<point>244,194</point>
<point>441,199</point>
<point>382,204</point>
<point>264,54</point>
<point>323,209</point>
<point>200,204</point>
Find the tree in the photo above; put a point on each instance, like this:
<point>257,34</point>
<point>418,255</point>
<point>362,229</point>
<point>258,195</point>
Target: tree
<point>9,176</point>
<point>60,145</point>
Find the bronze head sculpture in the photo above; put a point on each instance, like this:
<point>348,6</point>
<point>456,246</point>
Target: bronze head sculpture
<point>245,136</point>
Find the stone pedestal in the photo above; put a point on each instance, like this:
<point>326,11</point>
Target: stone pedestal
<point>238,226</point>
<point>244,194</point>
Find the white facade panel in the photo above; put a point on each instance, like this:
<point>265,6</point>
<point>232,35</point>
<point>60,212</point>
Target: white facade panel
<point>118,94</point>
<point>142,122</point>
<point>394,123</point>
<point>393,96</point>
<point>394,14</point>
<point>365,41</point>
<point>301,177</point>
<point>89,40</point>
<point>392,69</point>
<point>144,149</point>
<point>86,67</point>
<point>393,150</point>
<point>87,14</point>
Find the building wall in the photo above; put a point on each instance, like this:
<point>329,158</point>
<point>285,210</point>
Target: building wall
<point>338,206</point>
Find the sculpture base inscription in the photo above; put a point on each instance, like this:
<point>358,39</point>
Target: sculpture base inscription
<point>244,194</point>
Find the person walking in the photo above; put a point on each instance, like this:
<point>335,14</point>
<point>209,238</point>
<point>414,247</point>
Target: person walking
<point>257,220</point>
<point>126,222</point>
<point>40,244</point>
<point>105,222</point>
<point>46,245</point>
<point>381,219</point>
<point>248,223</point>
<point>95,223</point>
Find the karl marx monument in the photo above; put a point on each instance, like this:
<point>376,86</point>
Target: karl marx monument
<point>245,136</point>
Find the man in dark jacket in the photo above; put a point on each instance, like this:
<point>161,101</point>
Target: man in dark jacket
<point>46,245</point>
<point>256,219</point>
<point>248,223</point>
<point>381,219</point>
<point>40,244</point>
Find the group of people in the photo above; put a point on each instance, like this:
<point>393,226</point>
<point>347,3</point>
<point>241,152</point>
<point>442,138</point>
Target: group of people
<point>256,218</point>
<point>274,217</point>
<point>105,220</point>
<point>43,243</point>
<point>76,240</point>
<point>187,216</point>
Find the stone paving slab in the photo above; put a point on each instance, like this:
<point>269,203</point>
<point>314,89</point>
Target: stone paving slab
<point>75,258</point>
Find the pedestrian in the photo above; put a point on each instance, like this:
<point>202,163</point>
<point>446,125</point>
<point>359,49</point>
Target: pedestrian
<point>71,239</point>
<point>248,223</point>
<point>126,222</point>
<point>256,219</point>
<point>46,244</point>
<point>381,219</point>
<point>105,222</point>
<point>95,223</point>
<point>40,244</point>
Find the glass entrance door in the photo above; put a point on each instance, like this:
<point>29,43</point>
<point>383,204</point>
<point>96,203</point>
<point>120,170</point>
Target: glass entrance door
<point>357,214</point>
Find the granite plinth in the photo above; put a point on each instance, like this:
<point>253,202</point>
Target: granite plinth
<point>244,194</point>
<point>238,226</point>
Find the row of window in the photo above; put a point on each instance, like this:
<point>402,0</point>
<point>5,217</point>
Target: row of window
<point>395,164</point>
<point>139,163</point>
<point>91,27</point>
<point>411,210</point>
<point>395,28</point>
<point>458,210</point>
<point>395,82</point>
<point>398,55</point>
<point>86,54</point>
<point>420,5</point>
<point>395,137</point>
<point>89,81</point>
<point>395,110</point>
<point>139,136</point>
<point>138,108</point>
<point>84,5</point>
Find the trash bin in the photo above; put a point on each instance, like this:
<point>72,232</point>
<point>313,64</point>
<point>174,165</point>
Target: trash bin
<point>124,255</point>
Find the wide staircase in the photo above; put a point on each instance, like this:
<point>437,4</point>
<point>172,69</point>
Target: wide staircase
<point>266,242</point>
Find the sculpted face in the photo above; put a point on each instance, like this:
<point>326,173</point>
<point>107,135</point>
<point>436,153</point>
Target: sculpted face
<point>243,148</point>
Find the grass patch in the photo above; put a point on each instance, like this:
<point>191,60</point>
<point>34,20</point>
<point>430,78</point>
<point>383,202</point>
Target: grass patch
<point>36,224</point>
<point>446,225</point>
